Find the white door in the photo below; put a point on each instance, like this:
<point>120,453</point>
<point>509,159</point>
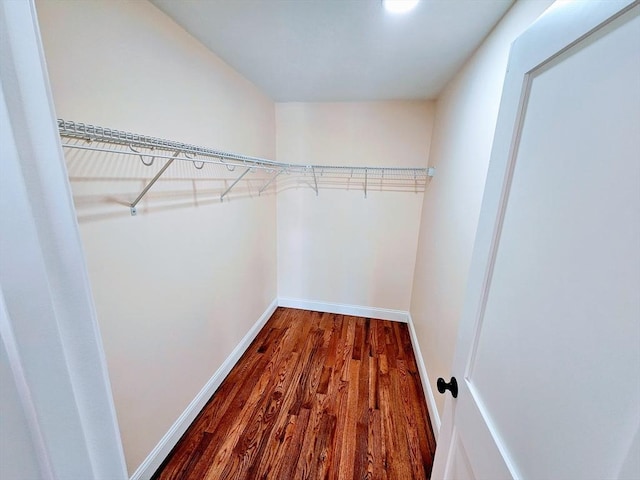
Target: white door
<point>548,355</point>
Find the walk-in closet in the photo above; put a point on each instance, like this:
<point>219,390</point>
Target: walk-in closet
<point>319,239</point>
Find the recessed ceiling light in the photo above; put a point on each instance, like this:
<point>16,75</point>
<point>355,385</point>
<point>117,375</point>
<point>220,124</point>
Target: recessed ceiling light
<point>399,6</point>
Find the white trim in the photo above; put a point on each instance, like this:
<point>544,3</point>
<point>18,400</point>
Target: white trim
<point>149,466</point>
<point>424,378</point>
<point>22,386</point>
<point>355,310</point>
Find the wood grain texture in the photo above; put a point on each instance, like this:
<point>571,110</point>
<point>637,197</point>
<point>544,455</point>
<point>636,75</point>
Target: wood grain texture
<point>315,396</point>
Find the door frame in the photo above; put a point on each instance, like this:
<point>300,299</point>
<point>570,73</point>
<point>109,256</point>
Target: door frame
<point>48,323</point>
<point>562,26</point>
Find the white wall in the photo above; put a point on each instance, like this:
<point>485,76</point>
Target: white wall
<point>177,287</point>
<point>340,247</point>
<point>466,114</point>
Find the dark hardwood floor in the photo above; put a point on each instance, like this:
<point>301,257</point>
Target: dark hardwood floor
<point>315,396</point>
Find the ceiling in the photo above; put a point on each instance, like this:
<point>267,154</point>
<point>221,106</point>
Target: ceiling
<point>340,50</point>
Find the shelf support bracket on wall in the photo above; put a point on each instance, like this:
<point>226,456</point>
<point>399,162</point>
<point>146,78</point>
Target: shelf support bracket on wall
<point>134,211</point>
<point>269,182</point>
<point>315,181</point>
<point>365,182</point>
<point>234,183</point>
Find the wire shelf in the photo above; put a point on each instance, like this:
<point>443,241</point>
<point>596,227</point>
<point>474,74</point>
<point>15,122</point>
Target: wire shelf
<point>91,138</point>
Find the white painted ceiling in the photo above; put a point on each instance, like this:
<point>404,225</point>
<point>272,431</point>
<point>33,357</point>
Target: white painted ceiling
<point>340,50</point>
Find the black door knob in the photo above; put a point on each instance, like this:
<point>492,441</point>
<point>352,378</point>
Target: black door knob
<point>452,386</point>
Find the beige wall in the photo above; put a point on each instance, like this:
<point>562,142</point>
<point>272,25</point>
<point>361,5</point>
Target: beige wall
<point>339,247</point>
<point>177,287</point>
<point>466,115</point>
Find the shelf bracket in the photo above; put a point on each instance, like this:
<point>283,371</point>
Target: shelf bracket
<point>269,182</point>
<point>365,183</point>
<point>234,183</point>
<point>134,211</point>
<point>315,181</point>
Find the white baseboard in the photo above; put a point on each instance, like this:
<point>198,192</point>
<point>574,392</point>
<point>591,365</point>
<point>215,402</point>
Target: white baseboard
<point>355,310</point>
<point>163,448</point>
<point>424,376</point>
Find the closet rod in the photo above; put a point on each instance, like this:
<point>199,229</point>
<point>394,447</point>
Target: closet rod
<point>154,147</point>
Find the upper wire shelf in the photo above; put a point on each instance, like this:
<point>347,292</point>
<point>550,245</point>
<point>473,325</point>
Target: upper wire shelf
<point>83,136</point>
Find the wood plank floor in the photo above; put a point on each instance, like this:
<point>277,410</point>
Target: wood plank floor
<point>315,396</point>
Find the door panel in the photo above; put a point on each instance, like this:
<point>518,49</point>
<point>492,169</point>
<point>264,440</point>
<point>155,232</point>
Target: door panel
<point>551,371</point>
<point>574,291</point>
<point>460,466</point>
<point>484,449</point>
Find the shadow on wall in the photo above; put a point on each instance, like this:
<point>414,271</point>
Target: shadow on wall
<point>105,184</point>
